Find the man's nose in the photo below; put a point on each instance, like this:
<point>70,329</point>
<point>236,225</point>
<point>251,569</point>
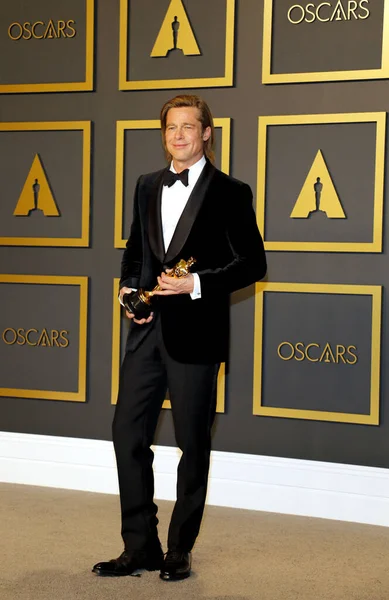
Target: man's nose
<point>179,132</point>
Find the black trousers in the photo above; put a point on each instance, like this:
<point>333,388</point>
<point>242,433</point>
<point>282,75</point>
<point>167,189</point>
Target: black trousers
<point>144,378</point>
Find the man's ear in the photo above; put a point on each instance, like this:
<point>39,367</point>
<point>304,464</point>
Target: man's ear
<point>206,134</point>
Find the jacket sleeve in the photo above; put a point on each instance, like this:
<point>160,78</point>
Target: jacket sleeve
<point>133,254</point>
<point>249,261</point>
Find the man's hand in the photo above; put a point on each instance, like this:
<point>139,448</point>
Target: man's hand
<point>140,321</point>
<point>126,290</point>
<point>175,285</point>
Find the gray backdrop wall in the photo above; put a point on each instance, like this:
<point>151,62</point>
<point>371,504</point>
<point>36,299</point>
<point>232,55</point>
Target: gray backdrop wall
<point>325,82</point>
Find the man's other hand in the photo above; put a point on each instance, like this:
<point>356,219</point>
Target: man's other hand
<point>174,285</point>
<point>140,321</point>
<point>126,290</point>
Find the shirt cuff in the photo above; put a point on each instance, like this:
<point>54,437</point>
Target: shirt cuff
<point>196,294</point>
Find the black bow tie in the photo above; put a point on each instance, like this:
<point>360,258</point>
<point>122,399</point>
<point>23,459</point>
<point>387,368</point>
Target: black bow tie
<point>170,178</point>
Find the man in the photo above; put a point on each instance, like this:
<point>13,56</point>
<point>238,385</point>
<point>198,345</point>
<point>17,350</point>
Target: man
<point>188,210</point>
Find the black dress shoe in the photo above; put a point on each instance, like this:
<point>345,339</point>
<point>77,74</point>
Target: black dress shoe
<point>176,565</point>
<point>129,562</point>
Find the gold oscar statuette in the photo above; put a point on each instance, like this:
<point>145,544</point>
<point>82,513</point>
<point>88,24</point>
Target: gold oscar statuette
<point>139,303</point>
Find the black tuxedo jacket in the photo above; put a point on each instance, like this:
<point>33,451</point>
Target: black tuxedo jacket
<point>218,228</point>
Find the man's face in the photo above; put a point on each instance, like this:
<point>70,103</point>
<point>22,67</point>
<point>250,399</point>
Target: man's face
<point>184,136</point>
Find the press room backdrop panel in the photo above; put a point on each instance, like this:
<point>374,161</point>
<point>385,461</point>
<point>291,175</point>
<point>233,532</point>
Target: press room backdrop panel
<point>306,376</point>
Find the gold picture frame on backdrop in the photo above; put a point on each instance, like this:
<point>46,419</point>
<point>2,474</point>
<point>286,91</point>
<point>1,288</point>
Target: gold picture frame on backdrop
<point>82,283</point>
<point>116,342</point>
<point>375,292</point>
<point>358,74</point>
<point>76,86</point>
<point>85,127</point>
<point>223,123</point>
<point>379,119</point>
<point>227,80</point>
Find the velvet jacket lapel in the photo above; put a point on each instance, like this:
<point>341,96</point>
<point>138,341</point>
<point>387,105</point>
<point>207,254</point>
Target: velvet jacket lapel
<point>154,217</point>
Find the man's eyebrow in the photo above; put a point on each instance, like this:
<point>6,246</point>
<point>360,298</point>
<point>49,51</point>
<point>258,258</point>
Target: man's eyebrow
<point>186,123</point>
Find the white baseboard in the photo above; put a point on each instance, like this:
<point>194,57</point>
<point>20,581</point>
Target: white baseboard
<point>283,485</point>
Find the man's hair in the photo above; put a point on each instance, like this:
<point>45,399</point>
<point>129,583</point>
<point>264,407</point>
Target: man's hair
<point>205,118</point>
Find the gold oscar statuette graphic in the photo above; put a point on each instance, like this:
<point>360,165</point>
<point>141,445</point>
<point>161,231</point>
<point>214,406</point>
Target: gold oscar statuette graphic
<point>36,194</point>
<point>318,194</point>
<point>176,33</point>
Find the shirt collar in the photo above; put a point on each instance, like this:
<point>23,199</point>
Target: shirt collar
<point>194,170</point>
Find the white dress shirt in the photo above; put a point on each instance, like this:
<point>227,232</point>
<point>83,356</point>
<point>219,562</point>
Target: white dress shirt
<point>173,202</point>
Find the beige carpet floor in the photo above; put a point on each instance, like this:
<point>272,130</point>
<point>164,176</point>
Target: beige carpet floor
<point>50,538</point>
